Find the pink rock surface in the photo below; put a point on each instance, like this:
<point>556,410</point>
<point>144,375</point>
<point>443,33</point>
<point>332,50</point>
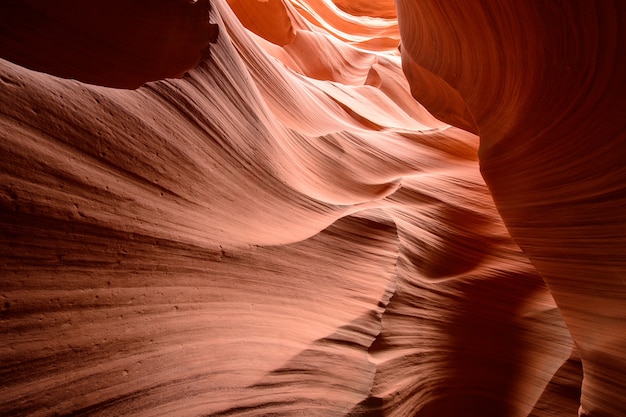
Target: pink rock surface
<point>297,225</point>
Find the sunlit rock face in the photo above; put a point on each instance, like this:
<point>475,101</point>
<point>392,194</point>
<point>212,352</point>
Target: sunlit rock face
<point>298,224</point>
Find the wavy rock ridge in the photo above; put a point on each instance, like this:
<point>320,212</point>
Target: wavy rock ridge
<point>298,224</point>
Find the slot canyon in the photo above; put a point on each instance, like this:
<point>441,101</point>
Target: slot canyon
<point>246,208</point>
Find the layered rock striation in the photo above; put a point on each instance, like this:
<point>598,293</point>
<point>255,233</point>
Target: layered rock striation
<point>309,220</point>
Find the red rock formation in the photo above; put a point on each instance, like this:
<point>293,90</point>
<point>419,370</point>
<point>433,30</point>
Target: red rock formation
<point>115,43</point>
<point>285,230</point>
<point>544,85</point>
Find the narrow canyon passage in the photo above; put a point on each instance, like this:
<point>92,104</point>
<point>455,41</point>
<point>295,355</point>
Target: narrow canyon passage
<point>312,208</point>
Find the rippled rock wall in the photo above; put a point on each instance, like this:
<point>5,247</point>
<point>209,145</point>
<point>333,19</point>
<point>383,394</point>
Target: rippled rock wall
<point>307,219</point>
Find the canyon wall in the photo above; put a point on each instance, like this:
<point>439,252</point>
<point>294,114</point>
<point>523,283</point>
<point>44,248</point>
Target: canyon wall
<point>328,209</point>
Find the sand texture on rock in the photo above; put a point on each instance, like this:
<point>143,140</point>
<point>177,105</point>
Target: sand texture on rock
<point>329,209</point>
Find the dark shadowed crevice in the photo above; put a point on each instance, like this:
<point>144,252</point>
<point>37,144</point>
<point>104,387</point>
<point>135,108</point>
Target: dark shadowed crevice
<point>116,43</point>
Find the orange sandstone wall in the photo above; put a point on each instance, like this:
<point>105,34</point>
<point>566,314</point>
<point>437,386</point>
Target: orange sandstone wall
<point>282,229</point>
<point>543,84</point>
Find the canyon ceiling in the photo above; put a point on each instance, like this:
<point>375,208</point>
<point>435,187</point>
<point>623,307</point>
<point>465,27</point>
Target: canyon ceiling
<point>313,208</point>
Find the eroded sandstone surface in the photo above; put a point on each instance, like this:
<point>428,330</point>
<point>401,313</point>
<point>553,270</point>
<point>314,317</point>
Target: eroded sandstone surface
<point>328,209</point>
